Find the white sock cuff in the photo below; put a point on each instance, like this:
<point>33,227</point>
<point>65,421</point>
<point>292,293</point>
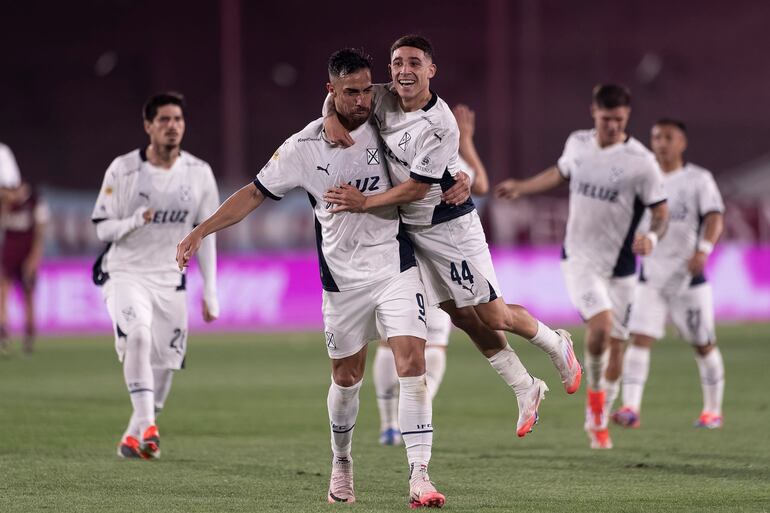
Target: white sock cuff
<point>503,353</point>
<point>412,381</point>
<point>348,391</point>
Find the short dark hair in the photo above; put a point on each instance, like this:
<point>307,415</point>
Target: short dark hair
<point>672,122</point>
<point>611,96</point>
<point>156,101</point>
<point>414,41</point>
<point>348,60</point>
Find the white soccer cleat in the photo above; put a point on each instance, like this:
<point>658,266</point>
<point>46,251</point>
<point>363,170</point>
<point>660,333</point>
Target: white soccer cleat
<point>341,483</point>
<point>529,402</point>
<point>422,492</point>
<point>568,365</point>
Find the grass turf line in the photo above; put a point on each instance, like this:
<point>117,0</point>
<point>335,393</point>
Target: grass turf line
<point>246,429</point>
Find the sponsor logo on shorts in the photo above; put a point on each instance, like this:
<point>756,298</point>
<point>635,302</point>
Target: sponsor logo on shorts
<point>330,340</point>
<point>129,314</point>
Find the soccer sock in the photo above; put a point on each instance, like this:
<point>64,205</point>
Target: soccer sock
<point>547,340</point>
<point>415,414</point>
<point>162,378</point>
<point>435,365</point>
<point>343,410</point>
<point>133,428</point>
<point>595,367</point>
<point>636,367</point>
<point>137,372</point>
<point>712,379</point>
<point>386,387</point>
<point>510,368</point>
<point>611,389</point>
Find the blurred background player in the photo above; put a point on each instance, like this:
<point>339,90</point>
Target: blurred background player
<point>9,170</point>
<point>23,219</point>
<point>149,200</point>
<point>439,323</point>
<point>613,179</point>
<point>368,272</point>
<point>673,282</point>
<point>421,142</point>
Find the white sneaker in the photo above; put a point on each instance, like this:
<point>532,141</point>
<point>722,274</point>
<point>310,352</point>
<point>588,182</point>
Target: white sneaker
<point>529,401</point>
<point>422,493</point>
<point>341,484</point>
<point>568,365</point>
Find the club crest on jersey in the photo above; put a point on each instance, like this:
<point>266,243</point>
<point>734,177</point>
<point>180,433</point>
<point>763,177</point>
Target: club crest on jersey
<point>330,340</point>
<point>129,314</point>
<point>185,193</point>
<point>615,174</point>
<point>372,156</point>
<point>404,141</point>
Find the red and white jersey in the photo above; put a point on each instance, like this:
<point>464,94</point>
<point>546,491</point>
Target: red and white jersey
<point>422,145</point>
<point>354,250</point>
<point>692,195</point>
<point>609,191</point>
<point>180,198</point>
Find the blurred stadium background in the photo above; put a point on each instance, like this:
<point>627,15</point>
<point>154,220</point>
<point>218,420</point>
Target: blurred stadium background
<point>76,74</point>
<point>74,77</point>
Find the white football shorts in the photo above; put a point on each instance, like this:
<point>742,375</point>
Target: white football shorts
<point>439,327</point>
<point>351,317</point>
<point>691,311</point>
<point>455,262</point>
<point>133,301</point>
<point>592,293</point>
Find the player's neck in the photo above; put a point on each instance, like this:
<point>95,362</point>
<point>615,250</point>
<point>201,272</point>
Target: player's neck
<point>350,125</point>
<point>611,142</point>
<point>671,165</point>
<point>162,156</point>
<point>416,103</point>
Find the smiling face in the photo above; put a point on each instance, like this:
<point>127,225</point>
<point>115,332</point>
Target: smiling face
<point>167,127</point>
<point>411,70</point>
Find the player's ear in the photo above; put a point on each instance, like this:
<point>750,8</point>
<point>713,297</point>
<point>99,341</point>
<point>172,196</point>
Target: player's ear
<point>147,127</point>
<point>432,69</point>
<point>329,88</point>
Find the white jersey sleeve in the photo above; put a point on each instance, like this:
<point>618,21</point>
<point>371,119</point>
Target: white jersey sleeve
<point>106,203</point>
<point>9,170</point>
<point>282,173</point>
<point>709,198</point>
<point>210,195</point>
<point>437,152</point>
<point>566,162</point>
<point>650,187</point>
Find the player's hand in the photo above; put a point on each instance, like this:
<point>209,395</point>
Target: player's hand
<point>697,263</point>
<point>336,133</point>
<point>466,120</point>
<point>147,215</point>
<point>642,245</point>
<point>187,248</point>
<point>29,271</point>
<point>460,191</point>
<point>347,198</point>
<point>207,315</point>
<point>508,189</point>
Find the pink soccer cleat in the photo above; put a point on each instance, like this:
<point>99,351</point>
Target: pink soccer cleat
<point>529,402</point>
<point>708,420</point>
<point>568,366</point>
<point>422,492</point>
<point>341,483</point>
<point>626,417</point>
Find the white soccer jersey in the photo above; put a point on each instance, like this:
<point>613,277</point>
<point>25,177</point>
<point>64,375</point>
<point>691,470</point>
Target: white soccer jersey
<point>421,145</point>
<point>180,198</point>
<point>354,250</point>
<point>609,190</point>
<point>9,171</point>
<point>692,195</point>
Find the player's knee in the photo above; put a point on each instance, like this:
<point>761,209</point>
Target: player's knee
<point>704,350</point>
<point>139,339</point>
<point>347,377</point>
<point>464,319</point>
<point>411,363</point>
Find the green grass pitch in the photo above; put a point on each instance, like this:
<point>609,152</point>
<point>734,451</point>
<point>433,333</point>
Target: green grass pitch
<point>245,429</point>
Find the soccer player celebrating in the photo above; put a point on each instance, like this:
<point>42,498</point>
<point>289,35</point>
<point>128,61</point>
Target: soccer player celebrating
<point>438,322</point>
<point>421,142</point>
<point>368,272</point>
<point>150,198</point>
<point>673,283</point>
<point>613,179</point>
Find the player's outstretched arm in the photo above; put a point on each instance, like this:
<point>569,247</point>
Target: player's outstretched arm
<point>335,132</point>
<point>232,211</point>
<point>644,243</point>
<point>543,181</point>
<point>713,224</point>
<point>466,122</point>
<point>349,199</point>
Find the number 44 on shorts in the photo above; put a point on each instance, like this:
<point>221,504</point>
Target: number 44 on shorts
<point>464,275</point>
